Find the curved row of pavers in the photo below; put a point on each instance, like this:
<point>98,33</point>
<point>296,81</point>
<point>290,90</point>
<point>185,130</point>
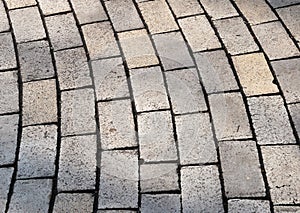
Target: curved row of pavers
<point>157,150</point>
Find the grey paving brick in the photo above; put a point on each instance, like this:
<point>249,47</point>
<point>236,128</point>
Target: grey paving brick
<point>185,7</point>
<point>11,4</point>
<point>229,116</point>
<point>77,163</point>
<point>248,206</point>
<point>37,151</point>
<point>7,56</point>
<point>158,177</point>
<point>270,120</point>
<point>288,75</point>
<point>194,28</point>
<point>286,209</point>
<point>72,68</point>
<point>160,203</point>
<point>9,92</point>
<point>215,71</point>
<point>63,31</point>
<point>283,174</point>
<point>116,124</point>
<point>39,102</point>
<point>54,6</point>
<point>100,40</point>
<point>35,61</point>
<point>275,41</point>
<point>8,138</point>
<point>37,196</point>
<point>156,137</point>
<point>110,79</point>
<point>219,8</point>
<point>88,11</point>
<point>195,139</point>
<point>131,43</point>
<point>185,91</point>
<point>201,189</point>
<point>235,35</point>
<point>281,3</point>
<point>254,74</point>
<point>27,24</point>
<point>116,211</point>
<point>4,25</point>
<point>5,179</point>
<point>77,112</point>
<point>148,89</point>
<point>157,16</point>
<point>123,15</point>
<point>241,169</point>
<point>119,179</point>
<point>76,202</point>
<point>295,113</point>
<point>172,50</point>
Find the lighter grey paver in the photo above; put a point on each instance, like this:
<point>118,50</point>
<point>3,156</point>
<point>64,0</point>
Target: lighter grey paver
<point>9,92</point>
<point>35,61</point>
<point>235,35</point>
<point>7,56</point>
<point>116,211</point>
<point>286,209</point>
<point>4,25</point>
<point>11,4</point>
<point>248,206</point>
<point>219,8</point>
<point>80,203</point>
<point>270,120</point>
<point>77,163</point>
<point>201,189</point>
<point>281,3</point>
<point>119,179</point>
<point>160,203</point>
<point>185,91</point>
<point>295,113</point>
<point>54,6</point>
<point>5,179</point>
<point>156,136</point>
<point>185,7</point>
<point>284,186</point>
<point>275,41</point>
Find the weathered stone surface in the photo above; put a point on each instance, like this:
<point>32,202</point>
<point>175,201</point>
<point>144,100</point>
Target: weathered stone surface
<point>281,3</point>
<point>9,92</point>
<point>248,206</point>
<point>54,6</point>
<point>4,25</point>
<point>5,179</point>
<point>185,7</point>
<point>8,55</point>
<point>11,4</point>
<point>219,8</point>
<point>160,203</point>
<point>295,113</point>
<point>116,211</point>
<point>76,202</point>
<point>286,209</point>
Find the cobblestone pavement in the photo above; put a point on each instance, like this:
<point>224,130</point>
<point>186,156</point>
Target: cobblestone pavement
<point>151,106</point>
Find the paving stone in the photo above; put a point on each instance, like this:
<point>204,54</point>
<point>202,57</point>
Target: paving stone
<point>9,92</point>
<point>123,15</point>
<point>229,116</point>
<point>283,174</point>
<point>158,177</point>
<point>288,75</point>
<point>37,199</point>
<point>195,139</point>
<point>5,179</point>
<point>183,8</point>
<point>4,25</point>
<point>201,189</point>
<point>248,206</point>
<point>116,211</point>
<point>256,11</point>
<point>54,6</point>
<point>157,16</point>
<point>219,8</point>
<point>7,56</point>
<point>172,50</point>
<point>110,79</point>
<point>194,28</point>
<point>119,179</point>
<point>131,43</point>
<point>77,163</point>
<point>235,35</point>
<point>281,3</point>
<point>286,209</point>
<point>148,89</point>
<point>72,68</point>
<point>275,41</point>
<point>35,61</point>
<point>185,91</point>
<point>37,151</point>
<point>88,11</point>
<point>270,120</point>
<point>295,113</point>
<point>39,102</point>
<point>117,128</point>
<point>11,4</point>
<point>160,203</point>
<point>77,112</point>
<point>100,40</point>
<point>156,137</point>
<point>27,24</point>
<point>63,31</point>
<point>241,169</point>
<point>254,74</point>
<point>76,202</point>
<point>8,138</point>
<point>215,71</point>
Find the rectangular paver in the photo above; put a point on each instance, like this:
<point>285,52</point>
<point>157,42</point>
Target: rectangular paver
<point>9,92</point>
<point>183,8</point>
<point>245,205</point>
<point>11,4</point>
<point>282,3</point>
<point>219,8</point>
<point>295,113</point>
<point>286,209</point>
<point>8,55</point>
<point>160,203</point>
<point>78,202</point>
<point>5,179</point>
<point>54,6</point>
<point>4,25</point>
